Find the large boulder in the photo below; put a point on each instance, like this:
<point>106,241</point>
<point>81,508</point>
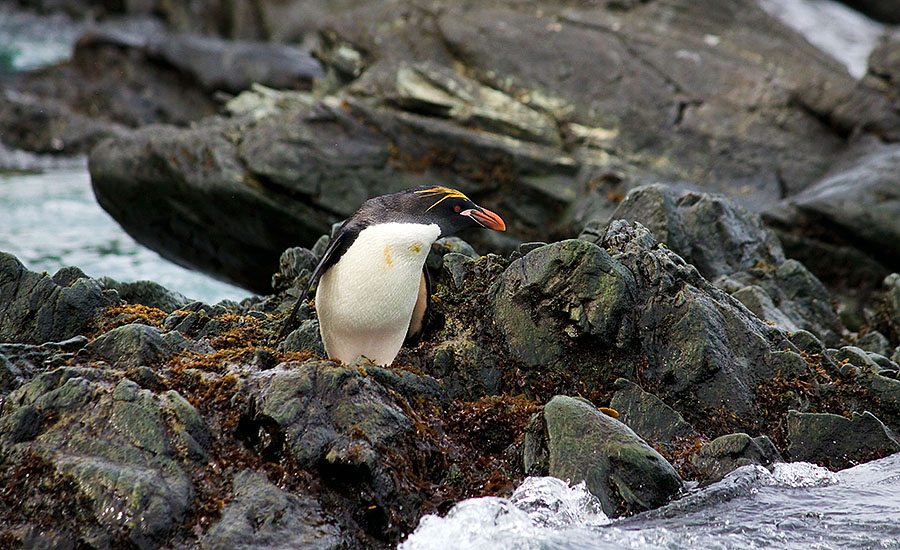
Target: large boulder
<point>572,310</point>
<point>837,441</point>
<point>512,105</point>
<point>618,467</point>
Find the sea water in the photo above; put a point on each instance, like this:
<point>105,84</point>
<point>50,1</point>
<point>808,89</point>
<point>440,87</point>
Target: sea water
<point>792,506</point>
<point>49,219</point>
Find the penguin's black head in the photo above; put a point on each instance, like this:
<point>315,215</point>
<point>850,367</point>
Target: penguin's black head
<point>448,208</point>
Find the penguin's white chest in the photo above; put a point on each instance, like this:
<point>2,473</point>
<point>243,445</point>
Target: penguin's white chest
<point>365,301</point>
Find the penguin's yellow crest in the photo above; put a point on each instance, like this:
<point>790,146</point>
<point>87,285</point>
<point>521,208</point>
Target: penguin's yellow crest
<point>438,191</point>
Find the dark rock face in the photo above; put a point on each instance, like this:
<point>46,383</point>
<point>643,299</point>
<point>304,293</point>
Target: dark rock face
<point>728,452</point>
<point>288,521</point>
<point>713,233</point>
<point>836,440</point>
<point>35,309</point>
<point>586,445</point>
<point>532,123</point>
<point>647,415</point>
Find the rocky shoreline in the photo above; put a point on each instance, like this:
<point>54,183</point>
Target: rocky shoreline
<point>702,237</point>
<point>132,417</point>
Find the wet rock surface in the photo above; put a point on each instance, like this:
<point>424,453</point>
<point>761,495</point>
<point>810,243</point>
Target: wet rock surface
<point>619,468</point>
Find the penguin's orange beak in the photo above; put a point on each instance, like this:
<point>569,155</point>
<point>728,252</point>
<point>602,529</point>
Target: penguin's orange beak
<point>486,218</point>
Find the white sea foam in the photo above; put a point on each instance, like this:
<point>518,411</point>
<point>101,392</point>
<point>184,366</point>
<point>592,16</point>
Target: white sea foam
<point>834,28</point>
<point>540,507</point>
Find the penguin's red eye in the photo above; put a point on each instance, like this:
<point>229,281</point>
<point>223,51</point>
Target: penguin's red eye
<point>457,208</point>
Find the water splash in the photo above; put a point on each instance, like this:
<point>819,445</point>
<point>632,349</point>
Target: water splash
<point>792,506</point>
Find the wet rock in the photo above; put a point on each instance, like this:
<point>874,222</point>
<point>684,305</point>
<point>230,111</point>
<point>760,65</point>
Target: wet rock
<point>147,293</point>
<point>35,309</point>
<point>837,441</point>
<point>856,200</point>
<point>647,415</point>
<point>583,290</point>
<point>618,467</point>
<point>789,296</point>
<point>263,516</point>
<point>713,233</point>
<point>112,443</point>
<point>726,453</point>
<point>131,346</point>
<point>339,421</point>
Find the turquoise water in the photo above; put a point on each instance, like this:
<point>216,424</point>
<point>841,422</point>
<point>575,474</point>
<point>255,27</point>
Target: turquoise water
<point>50,220</point>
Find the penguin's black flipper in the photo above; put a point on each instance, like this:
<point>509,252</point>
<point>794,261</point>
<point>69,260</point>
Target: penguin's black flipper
<point>418,325</point>
<point>335,250</point>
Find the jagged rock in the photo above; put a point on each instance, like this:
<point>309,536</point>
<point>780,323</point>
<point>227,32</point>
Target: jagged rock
<point>35,309</point>
<point>572,298</point>
<point>730,245</point>
<point>837,441</point>
<point>726,453</point>
<point>585,291</point>
<point>618,467</point>
<point>339,420</point>
<point>113,444</point>
<point>263,516</point>
<point>131,346</point>
<point>713,233</point>
<point>647,415</point>
<point>147,293</point>
<point>789,296</point>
